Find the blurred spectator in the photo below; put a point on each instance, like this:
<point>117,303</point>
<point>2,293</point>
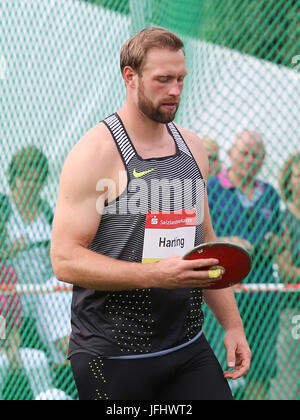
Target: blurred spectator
<point>288,259</point>
<point>14,360</point>
<point>245,210</point>
<point>10,306</point>
<point>212,149</point>
<point>47,317</point>
<point>288,263</point>
<point>4,216</point>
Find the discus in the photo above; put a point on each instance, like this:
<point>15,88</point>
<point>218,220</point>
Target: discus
<point>235,262</point>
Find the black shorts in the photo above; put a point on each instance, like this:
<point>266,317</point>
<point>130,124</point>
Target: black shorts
<point>191,373</point>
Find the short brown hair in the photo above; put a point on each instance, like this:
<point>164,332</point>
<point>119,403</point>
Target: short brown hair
<point>24,162</point>
<point>134,50</point>
<point>285,177</point>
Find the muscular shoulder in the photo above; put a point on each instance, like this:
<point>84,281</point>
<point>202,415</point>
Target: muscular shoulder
<point>92,159</point>
<point>96,146</point>
<point>93,154</point>
<point>196,147</point>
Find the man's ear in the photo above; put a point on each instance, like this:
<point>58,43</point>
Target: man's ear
<point>129,76</point>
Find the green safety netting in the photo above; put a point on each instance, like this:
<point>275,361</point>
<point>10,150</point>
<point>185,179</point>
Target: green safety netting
<point>59,76</point>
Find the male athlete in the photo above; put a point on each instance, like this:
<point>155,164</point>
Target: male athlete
<point>131,203</point>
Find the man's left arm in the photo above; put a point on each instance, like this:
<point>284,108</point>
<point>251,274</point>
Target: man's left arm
<point>223,304</point>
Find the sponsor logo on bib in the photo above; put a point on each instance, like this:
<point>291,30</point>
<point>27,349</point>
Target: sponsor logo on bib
<point>168,234</point>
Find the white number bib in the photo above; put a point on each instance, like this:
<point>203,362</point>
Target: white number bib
<point>168,234</point>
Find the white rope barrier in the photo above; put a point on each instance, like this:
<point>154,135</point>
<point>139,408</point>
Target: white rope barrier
<point>266,287</point>
<point>239,288</point>
<point>34,289</point>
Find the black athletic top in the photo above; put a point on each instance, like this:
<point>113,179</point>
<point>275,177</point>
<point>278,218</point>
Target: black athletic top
<point>159,214</point>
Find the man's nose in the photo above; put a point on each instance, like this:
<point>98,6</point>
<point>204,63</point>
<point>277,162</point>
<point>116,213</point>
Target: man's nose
<point>175,89</point>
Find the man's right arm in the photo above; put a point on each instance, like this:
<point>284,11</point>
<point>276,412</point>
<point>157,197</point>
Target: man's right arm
<point>77,217</point>
<point>76,220</point>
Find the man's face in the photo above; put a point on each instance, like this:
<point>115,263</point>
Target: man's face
<point>247,155</point>
<point>160,84</point>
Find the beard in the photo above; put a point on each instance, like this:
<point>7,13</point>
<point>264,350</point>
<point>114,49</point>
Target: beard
<point>154,113</point>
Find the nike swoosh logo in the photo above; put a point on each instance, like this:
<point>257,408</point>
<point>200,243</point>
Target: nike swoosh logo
<point>139,174</point>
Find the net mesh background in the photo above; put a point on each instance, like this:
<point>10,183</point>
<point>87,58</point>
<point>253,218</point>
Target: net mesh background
<point>59,76</point>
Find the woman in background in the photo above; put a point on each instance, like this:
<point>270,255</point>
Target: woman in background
<point>288,259</point>
<point>20,365</point>
<point>287,248</point>
<point>46,316</point>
